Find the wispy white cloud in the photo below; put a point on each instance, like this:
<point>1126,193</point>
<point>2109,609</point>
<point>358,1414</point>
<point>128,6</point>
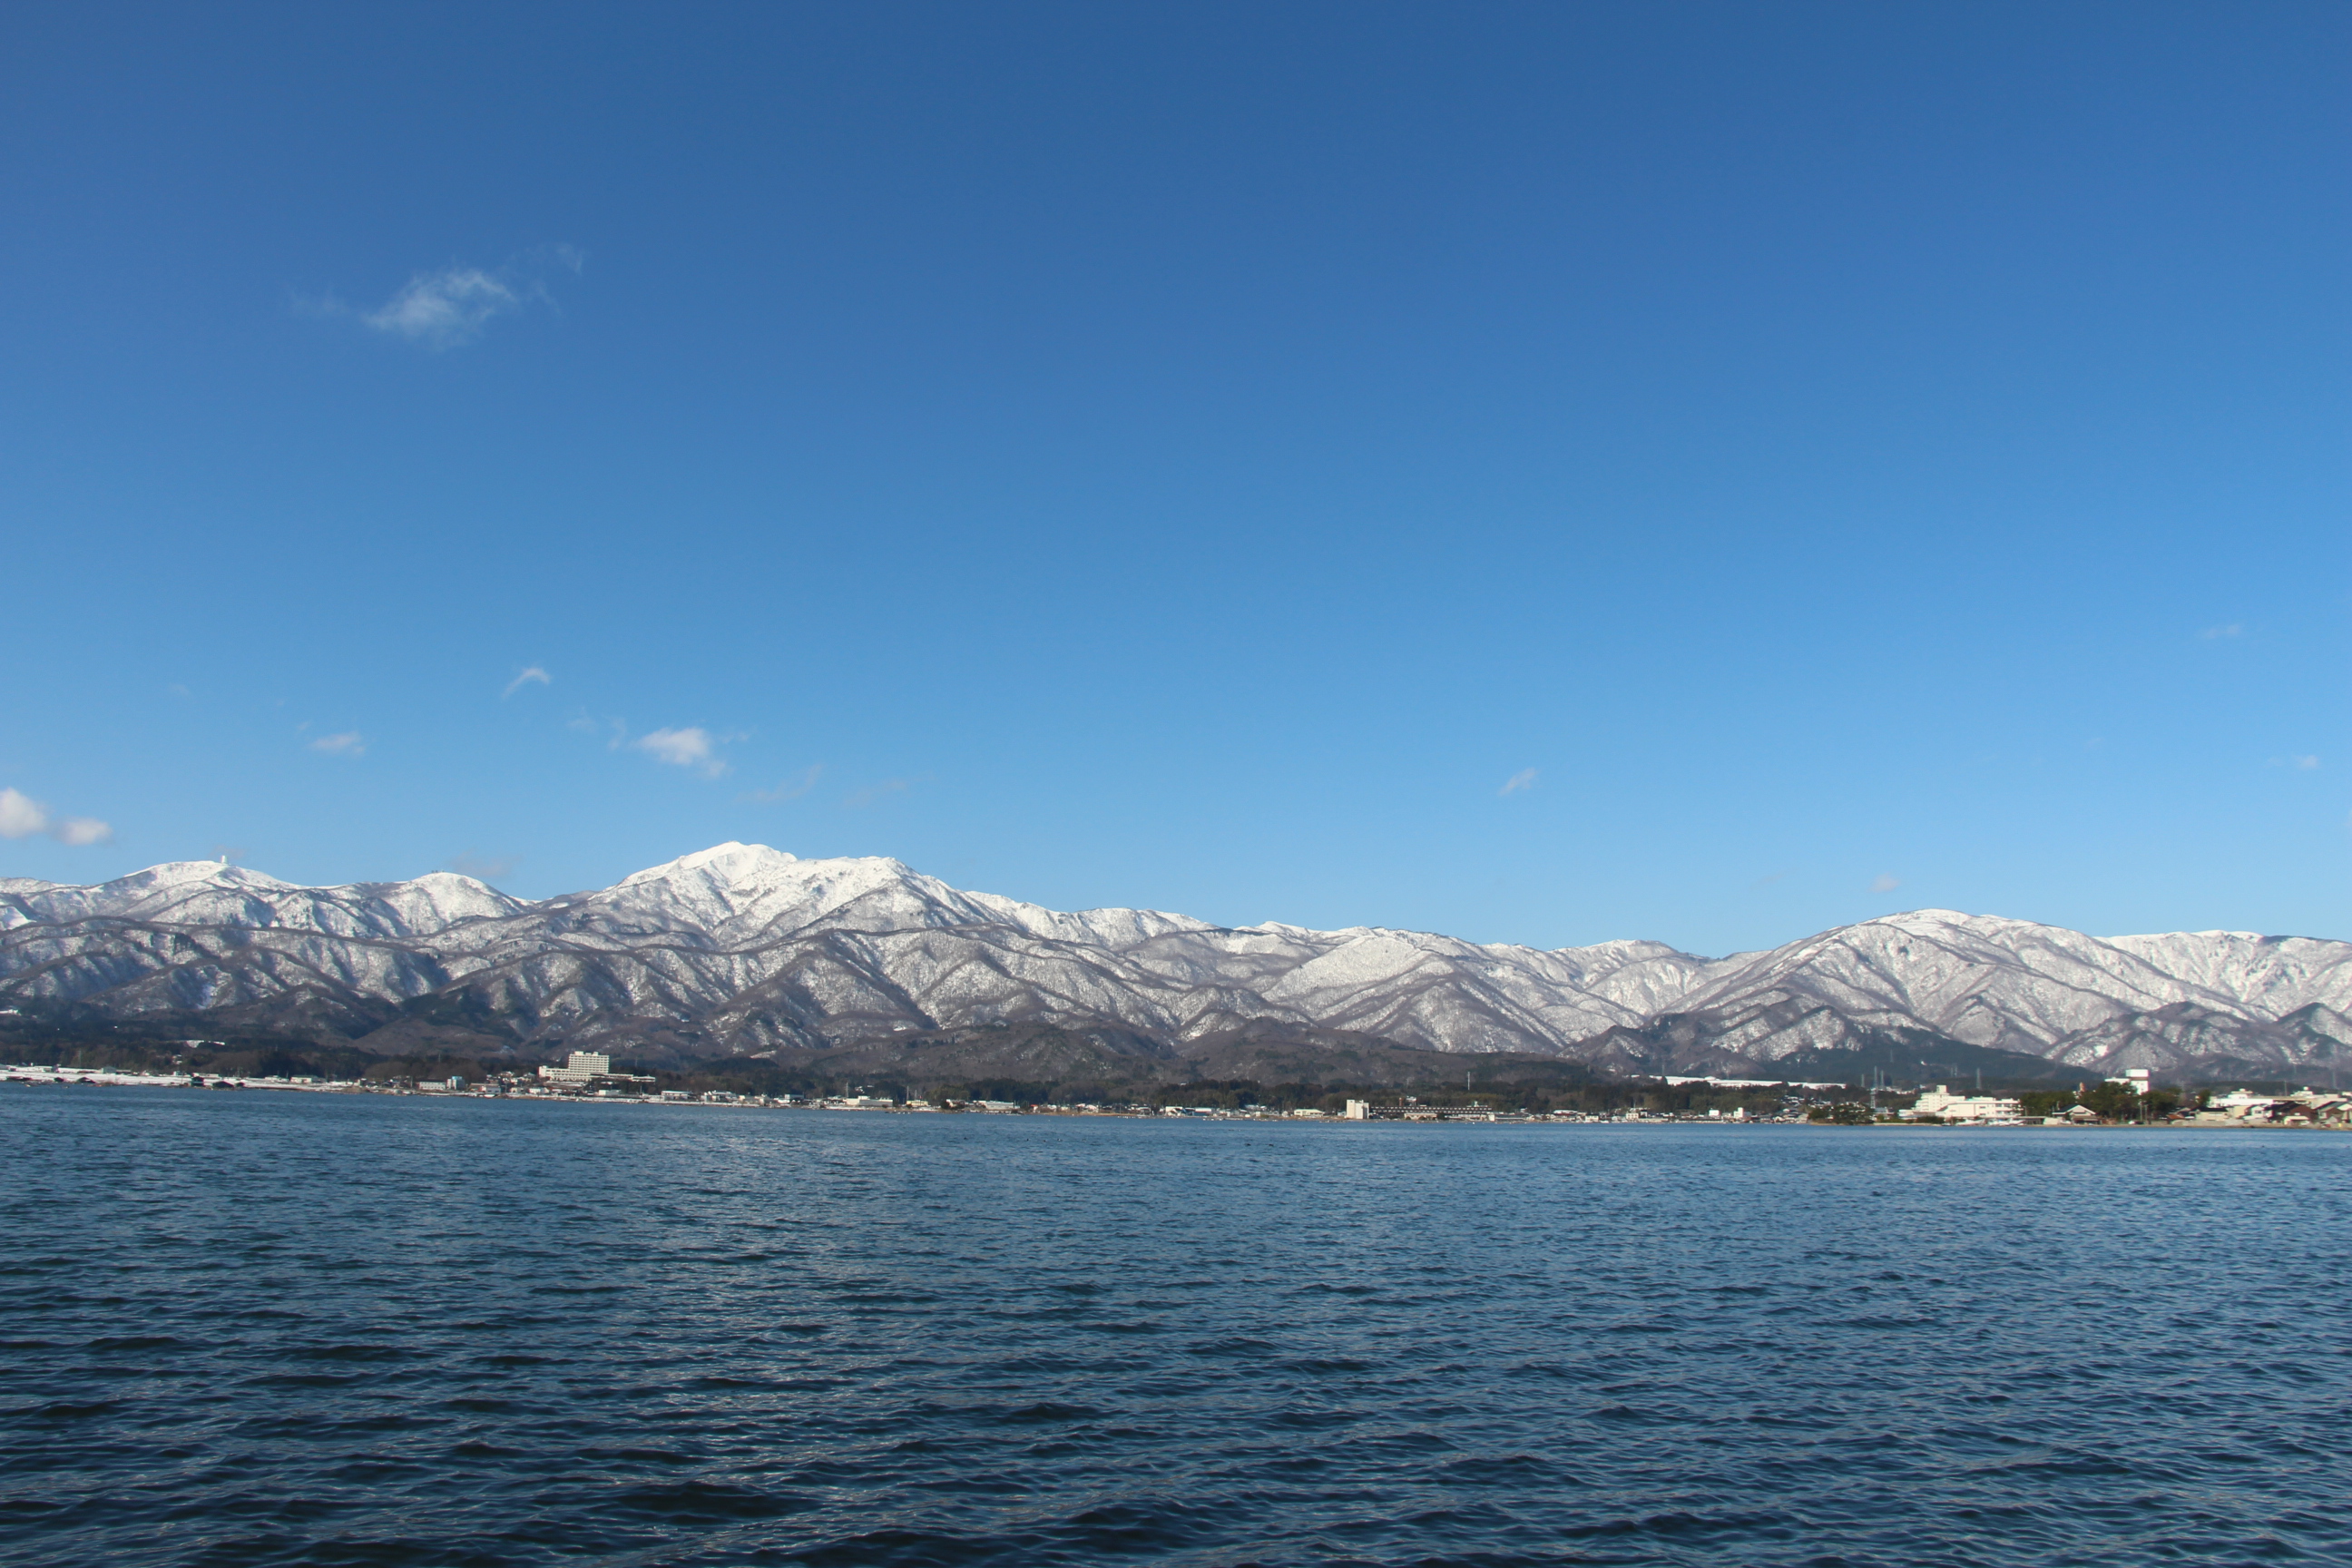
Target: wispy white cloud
<point>2306,761</point>
<point>451,306</point>
<point>484,868</point>
<point>443,309</point>
<point>446,309</point>
<point>1884,884</point>
<point>534,676</point>
<point>789,789</point>
<point>1525,779</point>
<point>21,816</point>
<point>2233,630</point>
<point>2304,764</point>
<point>692,747</point>
<point>350,743</point>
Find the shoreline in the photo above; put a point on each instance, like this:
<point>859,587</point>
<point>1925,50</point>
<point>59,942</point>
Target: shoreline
<point>30,1076</point>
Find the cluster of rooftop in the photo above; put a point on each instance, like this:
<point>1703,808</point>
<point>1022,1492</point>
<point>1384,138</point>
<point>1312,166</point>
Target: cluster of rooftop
<point>2304,1108</point>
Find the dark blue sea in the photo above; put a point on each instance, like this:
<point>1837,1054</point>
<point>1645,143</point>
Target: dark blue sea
<point>265,1327</point>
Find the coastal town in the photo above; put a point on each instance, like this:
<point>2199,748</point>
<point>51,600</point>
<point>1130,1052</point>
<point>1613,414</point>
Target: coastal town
<point>588,1076</point>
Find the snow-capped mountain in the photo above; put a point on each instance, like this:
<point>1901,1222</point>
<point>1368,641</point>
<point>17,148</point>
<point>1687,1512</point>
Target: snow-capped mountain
<point>744,949</point>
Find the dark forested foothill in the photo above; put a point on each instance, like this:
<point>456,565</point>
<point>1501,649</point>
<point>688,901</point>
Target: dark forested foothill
<point>1043,1063</point>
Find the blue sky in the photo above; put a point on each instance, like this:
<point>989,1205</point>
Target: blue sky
<point>1544,473</point>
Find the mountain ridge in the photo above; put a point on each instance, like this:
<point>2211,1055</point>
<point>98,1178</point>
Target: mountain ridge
<point>745,950</point>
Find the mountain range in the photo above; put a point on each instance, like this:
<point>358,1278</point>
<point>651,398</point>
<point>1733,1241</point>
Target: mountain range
<point>742,950</point>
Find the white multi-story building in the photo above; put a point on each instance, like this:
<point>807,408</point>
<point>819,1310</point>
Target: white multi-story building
<point>1940,1101</point>
<point>581,1067</point>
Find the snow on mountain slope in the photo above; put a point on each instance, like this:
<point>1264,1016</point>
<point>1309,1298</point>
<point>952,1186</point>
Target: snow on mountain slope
<point>744,948</point>
<point>738,894</point>
<point>1986,981</point>
<point>210,893</point>
<point>2269,976</point>
<point>2020,986</point>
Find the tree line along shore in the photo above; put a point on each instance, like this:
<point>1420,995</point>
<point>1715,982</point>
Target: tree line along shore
<point>1473,1086</point>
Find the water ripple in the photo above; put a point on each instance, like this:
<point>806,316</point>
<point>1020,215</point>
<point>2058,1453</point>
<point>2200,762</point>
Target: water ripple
<point>266,1329</point>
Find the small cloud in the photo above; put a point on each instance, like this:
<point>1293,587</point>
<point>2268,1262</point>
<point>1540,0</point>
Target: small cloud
<point>2094,744</point>
<point>1884,884</point>
<point>2306,763</point>
<point>689,748</point>
<point>347,745</point>
<point>789,789</point>
<point>176,689</point>
<point>446,309</point>
<point>1524,779</point>
<point>228,853</point>
<point>484,869</point>
<point>532,676</point>
<point>21,816</point>
<point>2233,629</point>
<point>1762,882</point>
<point>860,798</point>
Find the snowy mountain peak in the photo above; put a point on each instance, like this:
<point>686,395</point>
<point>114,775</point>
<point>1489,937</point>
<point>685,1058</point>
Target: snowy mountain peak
<point>2240,936</point>
<point>192,873</point>
<point>728,862</point>
<point>455,880</point>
